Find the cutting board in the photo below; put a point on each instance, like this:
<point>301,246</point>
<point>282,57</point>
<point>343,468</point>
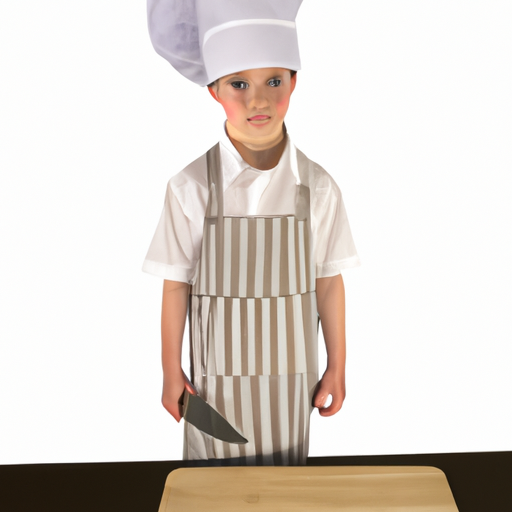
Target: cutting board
<point>297,489</point>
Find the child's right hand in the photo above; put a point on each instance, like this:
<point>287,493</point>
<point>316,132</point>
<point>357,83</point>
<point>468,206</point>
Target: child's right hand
<point>172,393</point>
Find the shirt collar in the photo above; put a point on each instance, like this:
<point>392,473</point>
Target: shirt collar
<point>233,164</point>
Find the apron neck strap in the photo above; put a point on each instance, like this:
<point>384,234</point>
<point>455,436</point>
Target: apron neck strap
<point>215,186</point>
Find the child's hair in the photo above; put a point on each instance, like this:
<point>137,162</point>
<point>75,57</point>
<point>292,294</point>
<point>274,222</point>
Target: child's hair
<point>292,74</point>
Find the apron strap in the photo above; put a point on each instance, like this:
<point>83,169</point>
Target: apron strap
<point>302,204</point>
<point>216,199</point>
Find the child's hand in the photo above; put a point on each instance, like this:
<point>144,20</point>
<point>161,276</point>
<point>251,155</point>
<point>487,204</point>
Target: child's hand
<point>333,385</point>
<point>173,389</point>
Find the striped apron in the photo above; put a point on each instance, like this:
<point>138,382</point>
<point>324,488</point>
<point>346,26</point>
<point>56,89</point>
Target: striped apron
<point>253,329</point>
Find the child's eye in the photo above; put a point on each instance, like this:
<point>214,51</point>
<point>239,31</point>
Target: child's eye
<point>274,82</point>
<point>240,85</point>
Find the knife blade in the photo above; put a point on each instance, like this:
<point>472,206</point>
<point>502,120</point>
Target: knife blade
<point>204,417</point>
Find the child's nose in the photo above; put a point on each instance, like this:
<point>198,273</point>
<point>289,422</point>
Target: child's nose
<point>258,99</point>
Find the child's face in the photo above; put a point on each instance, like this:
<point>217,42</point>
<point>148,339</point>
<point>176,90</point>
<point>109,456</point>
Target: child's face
<point>255,100</point>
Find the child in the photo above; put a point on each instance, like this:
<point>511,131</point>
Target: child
<point>251,240</point>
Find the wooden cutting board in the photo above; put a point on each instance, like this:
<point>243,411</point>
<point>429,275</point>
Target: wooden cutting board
<point>297,489</point>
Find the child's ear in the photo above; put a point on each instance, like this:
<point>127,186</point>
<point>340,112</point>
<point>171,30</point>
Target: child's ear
<point>213,93</point>
<point>293,82</point>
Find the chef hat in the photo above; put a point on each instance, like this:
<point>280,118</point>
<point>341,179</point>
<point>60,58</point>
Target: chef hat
<point>207,39</point>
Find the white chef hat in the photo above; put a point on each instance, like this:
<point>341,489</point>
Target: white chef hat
<point>207,39</point>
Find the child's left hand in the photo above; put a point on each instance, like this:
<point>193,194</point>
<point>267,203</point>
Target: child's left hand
<point>333,385</point>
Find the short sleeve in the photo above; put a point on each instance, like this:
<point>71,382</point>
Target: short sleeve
<point>334,248</point>
<point>176,244</point>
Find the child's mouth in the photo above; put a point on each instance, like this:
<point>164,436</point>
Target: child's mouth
<point>258,119</point>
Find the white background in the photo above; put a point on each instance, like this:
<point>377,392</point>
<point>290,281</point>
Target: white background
<point>406,103</point>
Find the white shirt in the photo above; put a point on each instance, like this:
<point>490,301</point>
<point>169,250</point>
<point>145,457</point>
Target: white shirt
<point>176,245</point>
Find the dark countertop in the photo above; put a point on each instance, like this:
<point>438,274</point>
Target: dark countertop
<point>480,482</point>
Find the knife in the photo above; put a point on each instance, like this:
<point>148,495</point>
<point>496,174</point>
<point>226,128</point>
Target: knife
<point>204,417</point>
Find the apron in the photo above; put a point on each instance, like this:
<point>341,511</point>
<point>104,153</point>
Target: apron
<point>253,329</point>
